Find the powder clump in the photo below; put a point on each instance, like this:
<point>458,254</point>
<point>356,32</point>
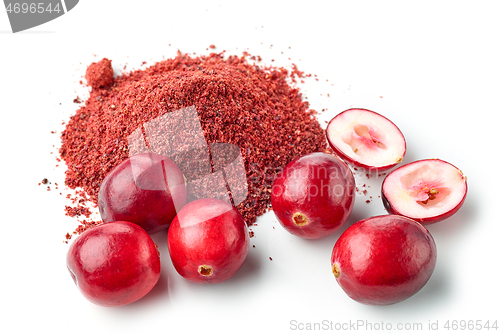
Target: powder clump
<point>99,74</point>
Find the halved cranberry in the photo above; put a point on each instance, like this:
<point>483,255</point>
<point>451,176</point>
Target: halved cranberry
<point>427,191</point>
<point>366,139</point>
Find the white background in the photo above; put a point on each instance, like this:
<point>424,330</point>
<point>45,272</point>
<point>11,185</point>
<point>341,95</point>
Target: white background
<point>432,67</point>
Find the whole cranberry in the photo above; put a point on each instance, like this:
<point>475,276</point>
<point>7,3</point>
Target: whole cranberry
<point>114,263</point>
<point>383,260</point>
<point>208,241</point>
<point>146,189</point>
<point>313,195</point>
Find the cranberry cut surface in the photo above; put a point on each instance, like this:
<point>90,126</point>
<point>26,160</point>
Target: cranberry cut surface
<point>314,195</point>
<point>114,264</point>
<point>208,241</point>
<point>146,189</point>
<point>383,260</point>
<point>427,191</point>
<point>366,139</point>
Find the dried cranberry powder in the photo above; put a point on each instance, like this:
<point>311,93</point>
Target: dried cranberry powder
<point>244,104</point>
<point>99,74</point>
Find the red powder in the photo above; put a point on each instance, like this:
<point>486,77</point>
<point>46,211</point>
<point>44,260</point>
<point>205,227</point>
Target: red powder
<point>86,224</point>
<point>77,211</point>
<point>252,107</point>
<point>99,74</point>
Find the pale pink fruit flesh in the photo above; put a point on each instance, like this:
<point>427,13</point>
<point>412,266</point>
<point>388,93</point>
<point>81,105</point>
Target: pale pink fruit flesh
<point>427,191</point>
<point>366,139</point>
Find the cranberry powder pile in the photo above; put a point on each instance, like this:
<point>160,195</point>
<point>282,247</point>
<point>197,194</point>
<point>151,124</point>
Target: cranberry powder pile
<point>253,107</point>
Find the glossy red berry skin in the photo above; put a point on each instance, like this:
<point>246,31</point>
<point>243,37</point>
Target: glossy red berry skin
<point>314,195</point>
<point>383,260</point>
<point>114,264</point>
<point>146,189</point>
<point>208,241</point>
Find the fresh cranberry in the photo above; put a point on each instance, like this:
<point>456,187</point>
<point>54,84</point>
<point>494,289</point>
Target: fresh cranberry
<point>383,260</point>
<point>366,139</point>
<point>427,191</point>
<point>146,189</point>
<point>314,195</point>
<point>114,264</point>
<point>208,241</point>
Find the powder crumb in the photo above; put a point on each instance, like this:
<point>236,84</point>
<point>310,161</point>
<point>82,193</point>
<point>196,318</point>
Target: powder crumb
<point>77,211</point>
<point>85,225</point>
<point>99,74</point>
